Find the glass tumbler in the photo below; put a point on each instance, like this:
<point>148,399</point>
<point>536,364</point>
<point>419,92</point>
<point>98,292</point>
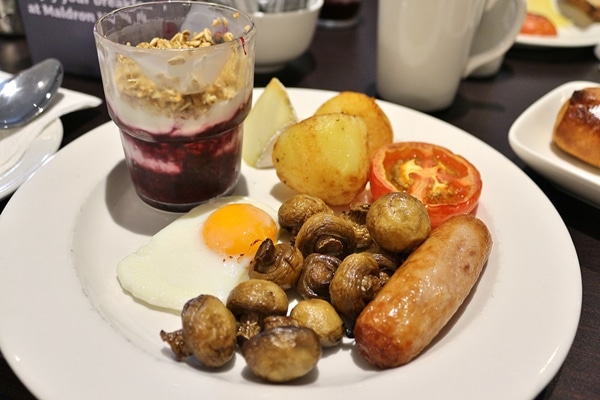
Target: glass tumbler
<point>178,79</point>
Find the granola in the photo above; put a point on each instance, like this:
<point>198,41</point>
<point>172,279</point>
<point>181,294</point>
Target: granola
<point>160,93</point>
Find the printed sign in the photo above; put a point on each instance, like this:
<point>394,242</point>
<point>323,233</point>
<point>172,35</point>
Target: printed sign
<point>63,29</point>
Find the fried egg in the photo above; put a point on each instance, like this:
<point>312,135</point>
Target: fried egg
<point>206,251</point>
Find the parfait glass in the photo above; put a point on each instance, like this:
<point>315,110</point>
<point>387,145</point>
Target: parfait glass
<point>178,79</point>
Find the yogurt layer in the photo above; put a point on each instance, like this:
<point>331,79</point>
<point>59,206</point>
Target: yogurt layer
<point>163,124</point>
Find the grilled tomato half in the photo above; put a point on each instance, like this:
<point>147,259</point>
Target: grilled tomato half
<point>445,182</point>
<point>536,24</point>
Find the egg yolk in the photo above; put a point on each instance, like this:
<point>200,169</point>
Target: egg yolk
<point>238,229</point>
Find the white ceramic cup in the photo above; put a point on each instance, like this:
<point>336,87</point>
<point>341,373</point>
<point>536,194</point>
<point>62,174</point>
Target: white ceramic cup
<point>425,47</point>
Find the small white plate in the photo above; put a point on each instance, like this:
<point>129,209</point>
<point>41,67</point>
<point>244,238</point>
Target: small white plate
<point>42,138</point>
<point>70,332</point>
<point>530,136</point>
<point>38,152</point>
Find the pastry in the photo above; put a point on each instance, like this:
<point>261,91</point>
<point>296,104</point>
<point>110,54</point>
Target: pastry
<point>577,127</point>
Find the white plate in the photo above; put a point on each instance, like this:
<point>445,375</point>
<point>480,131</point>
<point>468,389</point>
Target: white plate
<point>40,150</point>
<point>568,36</point>
<point>69,331</point>
<point>42,138</point>
<point>530,136</point>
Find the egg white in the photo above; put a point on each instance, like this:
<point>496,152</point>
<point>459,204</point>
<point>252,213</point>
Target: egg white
<point>176,265</point>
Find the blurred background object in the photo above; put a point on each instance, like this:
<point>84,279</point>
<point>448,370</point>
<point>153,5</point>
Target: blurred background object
<point>285,30</point>
<point>70,25</point>
<point>10,18</point>
<point>284,36</point>
<point>339,14</point>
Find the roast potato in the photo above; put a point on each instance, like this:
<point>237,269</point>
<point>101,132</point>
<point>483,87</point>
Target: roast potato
<point>379,128</point>
<point>324,156</point>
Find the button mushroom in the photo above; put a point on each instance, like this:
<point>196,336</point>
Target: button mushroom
<point>274,321</point>
<point>251,301</point>
<point>320,316</point>
<point>208,332</point>
<point>355,283</point>
<point>283,353</point>
<point>297,209</point>
<point>398,222</point>
<point>326,234</point>
<point>357,215</point>
<point>388,262</point>
<point>317,273</point>
<point>280,263</point>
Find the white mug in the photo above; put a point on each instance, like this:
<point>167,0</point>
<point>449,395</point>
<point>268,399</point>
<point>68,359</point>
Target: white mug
<point>425,47</point>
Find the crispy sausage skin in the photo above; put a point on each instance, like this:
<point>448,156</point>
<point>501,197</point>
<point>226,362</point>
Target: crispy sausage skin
<point>424,293</point>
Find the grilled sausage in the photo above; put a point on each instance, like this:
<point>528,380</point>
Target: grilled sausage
<point>424,293</point>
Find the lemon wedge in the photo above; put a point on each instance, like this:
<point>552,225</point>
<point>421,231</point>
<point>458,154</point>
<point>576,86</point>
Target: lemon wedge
<point>272,112</point>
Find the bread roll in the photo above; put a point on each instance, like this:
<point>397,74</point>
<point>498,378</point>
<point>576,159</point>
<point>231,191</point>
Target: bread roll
<point>577,127</point>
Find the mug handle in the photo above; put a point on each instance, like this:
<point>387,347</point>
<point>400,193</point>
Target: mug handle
<point>493,28</point>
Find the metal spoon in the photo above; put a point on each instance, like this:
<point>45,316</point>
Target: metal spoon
<point>27,94</point>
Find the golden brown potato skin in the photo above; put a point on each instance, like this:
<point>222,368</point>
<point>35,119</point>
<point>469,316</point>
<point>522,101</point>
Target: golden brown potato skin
<point>577,127</point>
<point>324,156</point>
<point>424,293</point>
<point>379,127</point>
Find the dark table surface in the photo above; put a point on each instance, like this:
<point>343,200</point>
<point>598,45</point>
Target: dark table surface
<point>486,108</point>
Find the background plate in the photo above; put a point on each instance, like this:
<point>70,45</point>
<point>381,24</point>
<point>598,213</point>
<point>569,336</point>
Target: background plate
<point>568,36</point>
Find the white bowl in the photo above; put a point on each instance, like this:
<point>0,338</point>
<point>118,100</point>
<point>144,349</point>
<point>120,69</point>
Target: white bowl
<point>282,37</point>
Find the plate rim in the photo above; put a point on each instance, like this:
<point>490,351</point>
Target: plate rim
<point>530,41</point>
<point>42,148</point>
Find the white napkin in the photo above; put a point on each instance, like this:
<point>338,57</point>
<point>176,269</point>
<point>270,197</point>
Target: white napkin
<point>14,142</point>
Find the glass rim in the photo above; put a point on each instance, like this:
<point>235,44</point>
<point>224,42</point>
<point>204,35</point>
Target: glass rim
<point>246,36</point>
